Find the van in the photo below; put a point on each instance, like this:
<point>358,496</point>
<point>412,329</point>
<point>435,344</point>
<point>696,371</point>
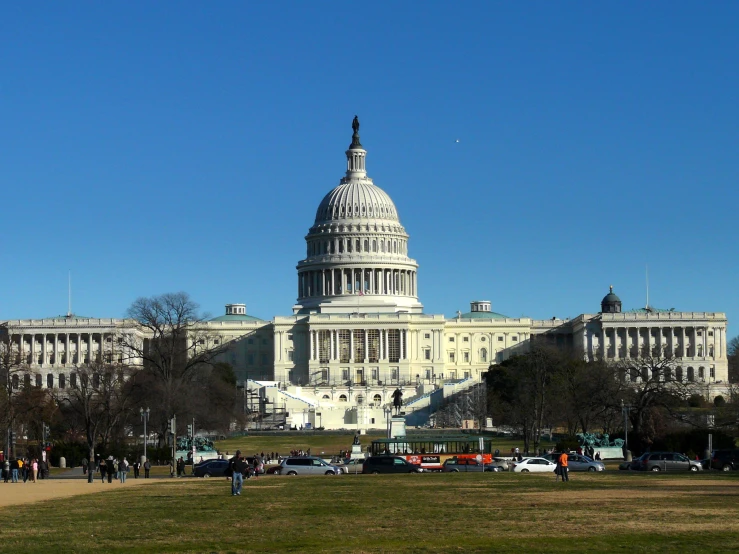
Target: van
<point>306,465</point>
<point>389,464</point>
<point>725,459</point>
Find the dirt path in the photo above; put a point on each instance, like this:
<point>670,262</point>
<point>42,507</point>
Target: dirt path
<point>12,494</point>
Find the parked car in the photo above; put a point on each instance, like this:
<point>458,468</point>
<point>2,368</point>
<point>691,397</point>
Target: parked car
<point>211,468</point>
<point>389,464</point>
<point>306,465</point>
<point>453,465</point>
<point>352,466</point>
<point>578,462</point>
<point>725,459</point>
<point>533,465</point>
<point>665,461</point>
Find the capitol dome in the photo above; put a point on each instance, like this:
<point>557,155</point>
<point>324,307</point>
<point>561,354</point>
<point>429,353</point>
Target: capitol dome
<point>356,200</point>
<point>357,250</point>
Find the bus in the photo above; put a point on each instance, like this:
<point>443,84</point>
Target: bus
<point>430,452</point>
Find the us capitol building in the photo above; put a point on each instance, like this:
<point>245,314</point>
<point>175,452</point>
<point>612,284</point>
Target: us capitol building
<point>358,331</point>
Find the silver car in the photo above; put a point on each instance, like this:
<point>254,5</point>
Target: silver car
<point>306,465</point>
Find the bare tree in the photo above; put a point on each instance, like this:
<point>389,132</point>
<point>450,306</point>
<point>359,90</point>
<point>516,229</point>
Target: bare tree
<point>13,367</point>
<point>652,386</point>
<point>175,349</point>
<point>99,398</point>
<point>733,355</point>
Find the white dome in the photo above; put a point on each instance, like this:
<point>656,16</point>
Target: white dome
<point>356,199</point>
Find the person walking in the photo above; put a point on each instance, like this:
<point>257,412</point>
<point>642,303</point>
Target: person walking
<point>122,470</point>
<point>25,469</point>
<point>34,469</point>
<point>6,470</point>
<point>237,467</point>
<point>103,470</point>
<point>110,468</point>
<point>136,465</point>
<point>84,466</point>
<point>147,468</point>
<point>14,470</point>
<point>563,467</point>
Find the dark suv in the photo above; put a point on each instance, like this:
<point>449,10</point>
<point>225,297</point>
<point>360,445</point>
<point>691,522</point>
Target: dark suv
<point>388,464</point>
<point>665,461</point>
<point>725,460</point>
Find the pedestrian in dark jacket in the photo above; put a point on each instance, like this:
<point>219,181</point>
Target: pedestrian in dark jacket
<point>110,468</point>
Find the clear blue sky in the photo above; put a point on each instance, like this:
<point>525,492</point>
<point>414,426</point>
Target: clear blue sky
<point>153,147</point>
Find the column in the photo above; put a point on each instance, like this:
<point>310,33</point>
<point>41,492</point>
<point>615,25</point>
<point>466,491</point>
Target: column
<point>79,348</point>
<point>659,343</point>
<point>366,346</point>
<point>33,348</point>
<point>55,350</point>
<point>381,344</point>
<point>402,344</point>
<point>331,356</point>
<point>351,345</point>
<point>43,349</point>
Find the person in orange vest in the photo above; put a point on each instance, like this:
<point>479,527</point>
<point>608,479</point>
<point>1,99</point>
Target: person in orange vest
<point>563,467</point>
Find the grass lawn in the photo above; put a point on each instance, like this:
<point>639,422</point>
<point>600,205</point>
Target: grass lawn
<point>611,512</point>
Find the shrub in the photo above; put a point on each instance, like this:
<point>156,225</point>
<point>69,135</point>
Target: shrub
<point>719,401</point>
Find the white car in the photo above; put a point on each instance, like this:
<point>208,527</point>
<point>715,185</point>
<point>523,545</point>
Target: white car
<point>533,465</point>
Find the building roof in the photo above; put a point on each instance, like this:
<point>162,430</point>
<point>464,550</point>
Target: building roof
<point>236,317</point>
<point>68,316</point>
<point>649,310</point>
<point>481,315</point>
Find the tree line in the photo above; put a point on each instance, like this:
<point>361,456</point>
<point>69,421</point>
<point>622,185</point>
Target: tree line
<point>168,362</point>
<point>549,387</point>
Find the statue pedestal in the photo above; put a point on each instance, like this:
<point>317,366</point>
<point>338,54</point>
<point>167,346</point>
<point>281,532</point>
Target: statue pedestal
<point>356,452</point>
<point>397,427</point>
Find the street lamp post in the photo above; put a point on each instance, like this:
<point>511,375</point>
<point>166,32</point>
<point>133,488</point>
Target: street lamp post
<point>625,410</point>
<point>145,418</point>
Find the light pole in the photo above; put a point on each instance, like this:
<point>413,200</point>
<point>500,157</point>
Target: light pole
<point>625,410</point>
<point>145,418</point>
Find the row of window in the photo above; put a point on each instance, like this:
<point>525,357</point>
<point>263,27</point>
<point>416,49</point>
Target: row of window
<point>37,380</point>
<point>666,374</point>
<point>318,247</point>
<point>514,338</point>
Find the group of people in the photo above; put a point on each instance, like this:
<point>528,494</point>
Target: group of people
<point>113,468</point>
<point>21,468</point>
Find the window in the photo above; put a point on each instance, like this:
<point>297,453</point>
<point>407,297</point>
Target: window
<point>466,339</point>
<point>712,373</point>
<point>15,382</point>
<point>377,399</point>
<point>73,380</point>
<point>38,381</point>
<point>701,373</point>
<point>62,381</point>
<point>359,353</point>
<point>289,336</point>
<point>324,345</point>
<point>250,359</point>
<point>289,355</point>
<point>500,339</point>
<point>466,357</point>
<point>344,373</point>
<point>427,354</point>
<point>251,341</point>
<point>342,398</point>
<point>393,345</point>
<point>483,339</point>
<point>514,338</point>
<point>373,340</point>
<point>344,344</point>
<point>49,381</point>
<point>375,374</point>
<point>394,373</point>
<point>265,359</point>
<point>326,397</point>
<point>360,399</point>
<point>216,341</point>
<point>483,355</point>
<point>427,335</point>
<point>451,357</point>
<point>451,339</point>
